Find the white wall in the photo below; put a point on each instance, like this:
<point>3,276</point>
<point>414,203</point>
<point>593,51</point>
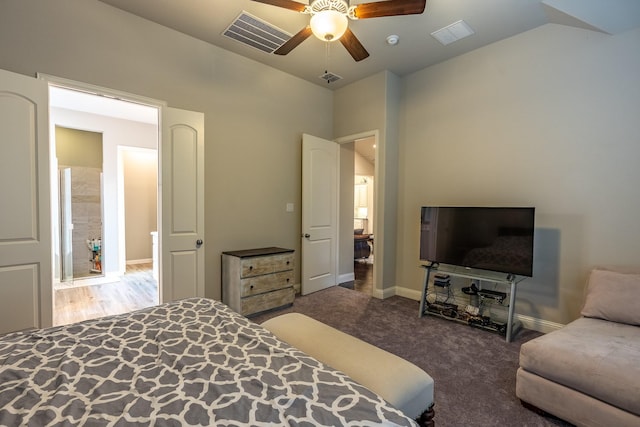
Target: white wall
<point>548,118</point>
<point>254,115</point>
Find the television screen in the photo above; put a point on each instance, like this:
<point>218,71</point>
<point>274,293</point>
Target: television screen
<point>486,238</point>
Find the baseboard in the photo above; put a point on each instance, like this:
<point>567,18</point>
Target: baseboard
<point>539,325</point>
<point>90,281</point>
<point>408,293</point>
<point>384,293</point>
<point>139,261</point>
<point>349,277</point>
<point>528,322</point>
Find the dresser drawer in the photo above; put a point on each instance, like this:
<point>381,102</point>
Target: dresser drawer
<point>256,266</point>
<point>265,283</point>
<point>267,301</point>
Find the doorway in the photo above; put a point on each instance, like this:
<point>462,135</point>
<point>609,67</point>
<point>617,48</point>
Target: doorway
<point>364,213</point>
<point>119,263</point>
<point>79,156</point>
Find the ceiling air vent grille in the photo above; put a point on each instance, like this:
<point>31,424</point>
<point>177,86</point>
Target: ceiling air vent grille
<point>330,77</point>
<point>256,33</point>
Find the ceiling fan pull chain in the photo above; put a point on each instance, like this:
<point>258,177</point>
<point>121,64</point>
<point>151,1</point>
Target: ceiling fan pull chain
<point>327,47</point>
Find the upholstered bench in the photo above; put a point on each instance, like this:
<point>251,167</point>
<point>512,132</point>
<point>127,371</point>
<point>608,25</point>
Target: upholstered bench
<point>398,381</point>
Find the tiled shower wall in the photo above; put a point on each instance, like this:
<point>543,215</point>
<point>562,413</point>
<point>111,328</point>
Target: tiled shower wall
<point>86,213</point>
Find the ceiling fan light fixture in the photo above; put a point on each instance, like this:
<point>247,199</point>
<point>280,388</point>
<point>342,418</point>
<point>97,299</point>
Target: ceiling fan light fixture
<point>329,25</point>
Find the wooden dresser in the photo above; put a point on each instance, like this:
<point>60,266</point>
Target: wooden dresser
<point>256,280</point>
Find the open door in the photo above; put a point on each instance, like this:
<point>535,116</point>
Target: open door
<point>26,294</point>
<point>319,214</point>
<point>182,201</point>
<point>25,219</point>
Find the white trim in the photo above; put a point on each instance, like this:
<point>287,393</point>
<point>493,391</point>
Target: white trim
<point>539,325</point>
<point>384,293</point>
<point>88,281</point>
<point>349,277</point>
<point>100,91</point>
<point>139,261</point>
<point>122,96</point>
<point>408,293</point>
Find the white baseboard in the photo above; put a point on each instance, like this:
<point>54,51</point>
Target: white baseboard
<point>349,277</point>
<point>528,322</point>
<point>408,293</point>
<point>90,281</point>
<point>539,325</point>
<point>139,261</point>
<point>384,293</point>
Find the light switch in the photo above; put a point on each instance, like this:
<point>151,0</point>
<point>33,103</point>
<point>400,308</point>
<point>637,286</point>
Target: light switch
<point>289,207</point>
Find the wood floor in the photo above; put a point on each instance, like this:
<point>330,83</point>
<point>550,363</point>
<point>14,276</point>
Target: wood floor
<point>137,289</point>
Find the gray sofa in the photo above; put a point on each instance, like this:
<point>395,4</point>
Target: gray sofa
<point>588,372</point>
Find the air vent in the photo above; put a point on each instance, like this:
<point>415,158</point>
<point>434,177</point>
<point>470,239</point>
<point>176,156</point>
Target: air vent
<point>255,32</point>
<point>330,77</point>
<point>451,33</point>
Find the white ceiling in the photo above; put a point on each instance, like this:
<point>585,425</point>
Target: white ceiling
<point>101,105</point>
<point>491,20</point>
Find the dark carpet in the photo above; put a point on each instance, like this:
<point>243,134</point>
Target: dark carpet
<point>474,371</point>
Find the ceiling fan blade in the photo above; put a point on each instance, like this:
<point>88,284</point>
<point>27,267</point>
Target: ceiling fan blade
<point>294,41</point>
<point>390,8</point>
<point>353,45</point>
<point>287,4</point>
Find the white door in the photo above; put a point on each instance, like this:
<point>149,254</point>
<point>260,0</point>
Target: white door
<point>25,219</point>
<point>182,201</point>
<point>319,214</point>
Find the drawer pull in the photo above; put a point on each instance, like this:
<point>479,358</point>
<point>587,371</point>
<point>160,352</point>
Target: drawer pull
<point>288,262</point>
<point>287,280</point>
<point>251,267</point>
<point>251,286</point>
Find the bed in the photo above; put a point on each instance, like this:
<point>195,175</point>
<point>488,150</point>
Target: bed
<point>191,362</point>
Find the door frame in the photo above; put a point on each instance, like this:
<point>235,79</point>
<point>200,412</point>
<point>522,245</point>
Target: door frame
<point>118,95</point>
<point>378,265</point>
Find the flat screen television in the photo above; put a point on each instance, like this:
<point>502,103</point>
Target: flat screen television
<point>496,239</point>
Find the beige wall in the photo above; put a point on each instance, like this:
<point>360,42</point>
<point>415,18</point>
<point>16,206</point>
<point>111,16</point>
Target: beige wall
<point>548,118</point>
<point>363,166</point>
<point>76,147</point>
<point>372,104</point>
<point>254,115</point>
<point>140,170</point>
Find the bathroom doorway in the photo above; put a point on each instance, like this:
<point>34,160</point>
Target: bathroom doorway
<point>79,155</point>
<point>105,218</point>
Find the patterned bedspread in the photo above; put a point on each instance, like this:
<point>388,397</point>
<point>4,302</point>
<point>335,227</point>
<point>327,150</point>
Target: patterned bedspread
<point>192,362</point>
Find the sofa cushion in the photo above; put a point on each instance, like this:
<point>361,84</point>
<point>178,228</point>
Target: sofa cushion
<point>613,296</point>
<point>593,356</point>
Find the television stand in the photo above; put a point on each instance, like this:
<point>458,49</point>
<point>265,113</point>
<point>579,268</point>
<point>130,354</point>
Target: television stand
<point>470,315</point>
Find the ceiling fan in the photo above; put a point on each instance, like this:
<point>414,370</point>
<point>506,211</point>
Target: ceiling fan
<point>330,20</point>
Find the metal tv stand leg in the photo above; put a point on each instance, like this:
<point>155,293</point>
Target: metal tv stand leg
<point>512,304</point>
